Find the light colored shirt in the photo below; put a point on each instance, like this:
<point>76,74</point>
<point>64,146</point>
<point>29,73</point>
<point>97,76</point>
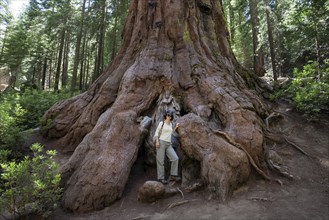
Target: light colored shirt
<point>166,132</point>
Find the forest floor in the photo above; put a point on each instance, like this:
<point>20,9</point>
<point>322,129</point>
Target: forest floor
<point>305,196</point>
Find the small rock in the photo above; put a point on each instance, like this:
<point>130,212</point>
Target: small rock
<point>151,191</point>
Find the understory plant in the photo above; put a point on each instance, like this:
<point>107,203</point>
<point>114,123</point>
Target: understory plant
<point>309,89</point>
<point>19,113</point>
<point>31,185</point>
<point>10,133</point>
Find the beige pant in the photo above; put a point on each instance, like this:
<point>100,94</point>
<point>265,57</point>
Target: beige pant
<point>166,149</point>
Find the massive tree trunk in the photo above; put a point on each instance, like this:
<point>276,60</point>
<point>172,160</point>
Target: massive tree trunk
<point>175,54</point>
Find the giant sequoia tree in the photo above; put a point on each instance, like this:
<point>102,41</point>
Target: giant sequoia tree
<point>175,54</point>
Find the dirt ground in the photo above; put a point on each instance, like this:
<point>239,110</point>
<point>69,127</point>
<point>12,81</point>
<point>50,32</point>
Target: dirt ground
<point>305,196</point>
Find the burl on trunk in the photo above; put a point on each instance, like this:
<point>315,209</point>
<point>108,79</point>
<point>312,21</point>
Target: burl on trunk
<point>175,54</point>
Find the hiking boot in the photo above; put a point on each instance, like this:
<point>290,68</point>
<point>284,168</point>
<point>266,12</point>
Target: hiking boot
<point>175,178</point>
<point>163,181</point>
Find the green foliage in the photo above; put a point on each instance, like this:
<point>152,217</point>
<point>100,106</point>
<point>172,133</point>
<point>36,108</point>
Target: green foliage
<point>240,26</point>
<point>305,32</point>
<point>309,89</point>
<point>35,103</point>
<point>31,105</point>
<point>31,185</point>
<point>15,46</point>
<point>5,15</point>
<point>31,45</point>
<point>22,111</point>
<point>10,135</point>
<point>4,154</point>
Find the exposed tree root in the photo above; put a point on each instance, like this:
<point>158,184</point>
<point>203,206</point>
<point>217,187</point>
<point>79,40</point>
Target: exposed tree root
<point>260,199</point>
<point>272,115</point>
<point>141,217</point>
<point>278,169</point>
<point>279,136</point>
<point>231,141</point>
<point>295,146</point>
<point>194,187</point>
<point>181,192</point>
<point>177,204</point>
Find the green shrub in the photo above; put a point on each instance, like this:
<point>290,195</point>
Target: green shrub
<point>309,89</point>
<point>36,103</point>
<point>4,154</point>
<point>31,185</point>
<point>10,132</point>
<point>20,112</point>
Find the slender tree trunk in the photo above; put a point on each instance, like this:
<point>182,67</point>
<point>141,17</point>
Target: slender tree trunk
<point>59,60</point>
<point>33,73</point>
<point>271,41</point>
<point>317,49</point>
<point>87,74</point>
<point>231,18</point>
<point>52,68</point>
<point>114,37</point>
<point>44,73</point>
<point>84,54</point>
<point>174,55</point>
<point>38,75</point>
<point>3,44</point>
<point>96,62</point>
<point>244,42</point>
<point>50,73</point>
<point>82,66</point>
<point>257,48</point>
<point>77,48</point>
<point>101,34</point>
<point>66,60</point>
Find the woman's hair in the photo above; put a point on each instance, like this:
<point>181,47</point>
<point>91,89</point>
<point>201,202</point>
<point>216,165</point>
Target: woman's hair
<point>168,112</point>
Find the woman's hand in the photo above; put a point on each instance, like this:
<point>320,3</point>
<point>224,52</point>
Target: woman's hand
<point>177,126</point>
<point>157,144</point>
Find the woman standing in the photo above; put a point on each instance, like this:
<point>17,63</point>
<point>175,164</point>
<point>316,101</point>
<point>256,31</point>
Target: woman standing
<point>163,147</point>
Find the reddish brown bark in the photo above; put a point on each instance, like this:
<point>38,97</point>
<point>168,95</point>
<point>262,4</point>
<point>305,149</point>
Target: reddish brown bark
<point>175,54</point>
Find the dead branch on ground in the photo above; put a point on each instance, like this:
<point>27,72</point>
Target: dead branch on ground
<point>279,136</point>
<point>180,192</point>
<point>172,205</point>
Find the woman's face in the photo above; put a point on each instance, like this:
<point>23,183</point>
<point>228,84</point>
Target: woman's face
<point>168,116</point>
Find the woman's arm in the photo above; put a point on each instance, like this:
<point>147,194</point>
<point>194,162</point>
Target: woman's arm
<point>156,134</point>
<point>174,132</point>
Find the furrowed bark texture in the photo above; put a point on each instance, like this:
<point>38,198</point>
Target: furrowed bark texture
<point>174,51</point>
